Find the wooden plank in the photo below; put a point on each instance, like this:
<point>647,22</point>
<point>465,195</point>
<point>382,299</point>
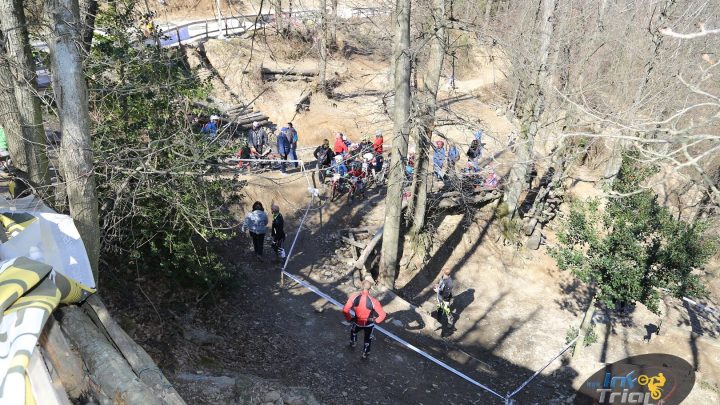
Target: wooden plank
<point>44,389</point>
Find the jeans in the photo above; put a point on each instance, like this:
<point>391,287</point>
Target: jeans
<point>293,156</point>
<point>257,239</point>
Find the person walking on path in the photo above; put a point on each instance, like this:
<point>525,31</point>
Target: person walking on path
<point>278,231</point>
<point>283,147</point>
<point>324,156</point>
<point>367,313</point>
<point>256,222</point>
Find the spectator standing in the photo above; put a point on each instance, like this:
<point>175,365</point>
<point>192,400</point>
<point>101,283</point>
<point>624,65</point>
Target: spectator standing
<point>283,147</point>
<point>211,128</point>
<point>453,156</point>
<point>293,136</point>
<point>324,156</point>
<point>340,146</point>
<point>256,222</point>
<point>257,137</point>
<point>439,159</point>
<point>278,231</point>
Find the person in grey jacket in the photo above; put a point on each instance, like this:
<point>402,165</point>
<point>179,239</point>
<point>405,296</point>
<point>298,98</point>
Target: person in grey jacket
<point>256,222</point>
<point>257,137</point>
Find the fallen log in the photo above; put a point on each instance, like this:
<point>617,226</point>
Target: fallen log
<point>368,249</point>
<point>353,242</point>
<point>107,367</point>
<point>64,361</point>
<point>250,120</point>
<point>289,71</point>
<point>358,230</point>
<point>291,78</point>
<point>141,362</point>
<point>249,124</point>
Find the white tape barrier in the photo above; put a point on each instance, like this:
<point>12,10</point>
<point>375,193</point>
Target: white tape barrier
<point>543,368</point>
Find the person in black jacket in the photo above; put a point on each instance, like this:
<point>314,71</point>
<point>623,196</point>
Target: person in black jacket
<point>278,231</point>
<point>324,156</point>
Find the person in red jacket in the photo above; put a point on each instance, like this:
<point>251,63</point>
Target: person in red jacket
<point>378,144</point>
<point>367,312</point>
<point>340,146</point>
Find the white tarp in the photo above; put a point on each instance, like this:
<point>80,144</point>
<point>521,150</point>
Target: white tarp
<point>52,239</point>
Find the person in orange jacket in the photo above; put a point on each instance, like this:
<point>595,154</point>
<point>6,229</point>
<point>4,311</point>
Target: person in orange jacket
<point>367,313</point>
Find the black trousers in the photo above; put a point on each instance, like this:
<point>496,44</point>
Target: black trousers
<point>368,335</point>
<point>257,239</point>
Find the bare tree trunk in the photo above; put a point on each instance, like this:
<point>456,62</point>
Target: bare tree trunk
<point>488,8</point>
<point>618,146</point>
<point>22,67</point>
<point>431,83</point>
<point>10,118</point>
<point>322,43</point>
<point>332,41</point>
<point>88,10</point>
<point>393,201</point>
<point>76,157</point>
<point>532,111</point>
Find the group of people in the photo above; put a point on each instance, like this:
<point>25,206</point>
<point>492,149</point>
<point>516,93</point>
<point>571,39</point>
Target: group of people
<point>349,160</point>
<point>451,155</point>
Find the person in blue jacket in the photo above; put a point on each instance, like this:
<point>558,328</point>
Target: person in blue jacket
<point>453,156</point>
<point>293,136</point>
<point>439,159</point>
<point>339,167</point>
<point>283,147</point>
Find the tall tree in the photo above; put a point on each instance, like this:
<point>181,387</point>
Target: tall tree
<point>322,44</point>
<point>428,100</point>
<point>22,69</point>
<point>76,155</point>
<point>532,109</point>
<point>393,201</point>
<point>88,11</point>
<point>618,146</point>
<point>10,118</point>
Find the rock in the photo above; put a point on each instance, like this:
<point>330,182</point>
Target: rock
<point>530,226</point>
<point>272,396</point>
<point>534,240</point>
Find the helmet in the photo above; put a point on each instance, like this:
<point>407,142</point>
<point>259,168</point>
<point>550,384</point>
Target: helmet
<point>440,144</point>
<point>344,137</point>
<point>368,156</point>
<point>338,158</point>
<point>256,124</point>
<point>378,134</point>
<point>214,118</point>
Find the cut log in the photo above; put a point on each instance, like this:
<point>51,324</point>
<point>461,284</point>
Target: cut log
<point>249,124</point>
<point>141,362</point>
<point>107,367</point>
<point>289,72</point>
<point>63,361</point>
<point>351,241</point>
<point>249,121</point>
<point>292,78</point>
